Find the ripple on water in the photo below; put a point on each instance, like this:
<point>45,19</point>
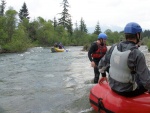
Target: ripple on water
<point>44,82</point>
<point>49,75</point>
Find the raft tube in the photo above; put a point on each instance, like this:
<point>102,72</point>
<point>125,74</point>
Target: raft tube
<point>54,49</point>
<point>104,100</point>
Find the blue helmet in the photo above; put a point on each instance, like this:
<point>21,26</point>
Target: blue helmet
<point>102,35</point>
<point>132,28</point>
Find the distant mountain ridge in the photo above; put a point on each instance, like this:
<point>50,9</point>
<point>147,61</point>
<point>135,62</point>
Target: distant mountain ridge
<point>105,27</point>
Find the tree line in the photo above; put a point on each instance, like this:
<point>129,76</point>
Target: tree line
<point>17,35</point>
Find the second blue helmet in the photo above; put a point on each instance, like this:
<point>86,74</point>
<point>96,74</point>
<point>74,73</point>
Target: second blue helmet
<point>102,35</point>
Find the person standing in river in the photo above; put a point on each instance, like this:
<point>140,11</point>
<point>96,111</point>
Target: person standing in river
<point>97,50</point>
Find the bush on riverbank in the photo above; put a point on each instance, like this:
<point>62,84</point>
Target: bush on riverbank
<point>146,41</point>
<point>15,47</point>
<point>86,47</point>
<point>18,43</point>
<point>19,36</point>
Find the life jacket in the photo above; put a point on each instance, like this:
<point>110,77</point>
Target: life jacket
<point>119,69</point>
<point>100,52</point>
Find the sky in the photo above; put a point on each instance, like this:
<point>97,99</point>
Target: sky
<point>111,14</point>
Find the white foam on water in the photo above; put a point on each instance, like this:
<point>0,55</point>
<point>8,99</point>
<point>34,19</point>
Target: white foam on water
<point>143,49</point>
<point>86,110</point>
<point>80,71</point>
<point>49,75</point>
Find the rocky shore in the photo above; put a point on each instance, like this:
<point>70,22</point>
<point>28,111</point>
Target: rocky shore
<point>147,57</point>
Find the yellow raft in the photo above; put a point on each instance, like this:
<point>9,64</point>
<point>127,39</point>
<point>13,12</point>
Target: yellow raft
<point>55,49</point>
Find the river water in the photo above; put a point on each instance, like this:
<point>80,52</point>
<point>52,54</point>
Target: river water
<point>38,81</point>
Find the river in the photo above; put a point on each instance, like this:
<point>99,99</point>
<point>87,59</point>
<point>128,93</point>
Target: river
<point>38,81</point>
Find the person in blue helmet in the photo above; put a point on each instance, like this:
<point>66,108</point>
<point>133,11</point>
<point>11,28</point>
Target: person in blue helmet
<point>96,52</point>
<point>128,73</point>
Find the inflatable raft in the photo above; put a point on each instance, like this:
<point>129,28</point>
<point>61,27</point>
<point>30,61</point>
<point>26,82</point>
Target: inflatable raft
<point>55,49</point>
<point>104,100</point>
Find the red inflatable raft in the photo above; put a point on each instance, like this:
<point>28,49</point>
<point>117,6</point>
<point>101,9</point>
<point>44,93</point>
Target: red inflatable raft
<point>104,100</point>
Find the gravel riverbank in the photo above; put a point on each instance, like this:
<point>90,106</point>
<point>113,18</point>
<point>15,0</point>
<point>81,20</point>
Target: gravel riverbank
<point>147,56</point>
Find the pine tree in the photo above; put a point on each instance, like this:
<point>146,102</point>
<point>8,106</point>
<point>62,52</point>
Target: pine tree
<point>23,13</point>
<point>76,26</point>
<point>2,7</point>
<point>65,16</point>
<point>97,29</point>
<point>55,23</point>
<point>82,26</point>
<point>70,29</point>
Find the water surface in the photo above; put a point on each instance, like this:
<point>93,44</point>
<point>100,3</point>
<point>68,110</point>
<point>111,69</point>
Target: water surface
<point>38,81</point>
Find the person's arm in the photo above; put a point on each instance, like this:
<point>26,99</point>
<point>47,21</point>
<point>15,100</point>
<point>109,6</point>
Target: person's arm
<point>105,61</point>
<point>92,49</point>
<point>102,69</point>
<point>104,65</point>
<point>137,59</point>
<point>108,54</point>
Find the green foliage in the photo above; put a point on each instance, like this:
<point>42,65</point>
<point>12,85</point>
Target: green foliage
<point>45,32</point>
<point>148,45</point>
<point>65,19</point>
<point>19,42</point>
<point>113,37</point>
<point>3,37</point>
<point>23,13</point>
<point>86,47</point>
<point>10,23</point>
<point>82,26</point>
<point>17,37</point>
<point>69,27</point>
<point>2,7</point>
<point>146,33</point>
<point>146,41</point>
<point>97,29</point>
<point>3,34</point>
<point>55,23</point>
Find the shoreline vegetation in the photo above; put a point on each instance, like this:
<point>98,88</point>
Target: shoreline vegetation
<point>85,48</point>
<point>18,32</point>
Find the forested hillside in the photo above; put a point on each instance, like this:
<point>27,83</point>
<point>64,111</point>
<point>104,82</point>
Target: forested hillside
<point>18,32</point>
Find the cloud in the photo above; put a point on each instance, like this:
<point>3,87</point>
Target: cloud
<point>107,12</point>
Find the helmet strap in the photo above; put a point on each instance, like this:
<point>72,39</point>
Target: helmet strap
<point>138,38</point>
<point>101,41</point>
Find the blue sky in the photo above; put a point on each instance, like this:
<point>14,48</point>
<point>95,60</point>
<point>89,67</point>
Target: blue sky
<point>109,13</point>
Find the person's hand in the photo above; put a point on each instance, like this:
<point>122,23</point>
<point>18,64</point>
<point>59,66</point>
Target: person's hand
<point>93,64</point>
<point>147,92</point>
<point>102,80</point>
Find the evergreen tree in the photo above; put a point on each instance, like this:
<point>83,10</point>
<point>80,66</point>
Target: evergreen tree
<point>65,16</point>
<point>23,13</point>
<point>82,27</point>
<point>76,26</point>
<point>70,29</point>
<point>2,7</point>
<point>97,29</point>
<point>146,33</point>
<point>55,23</point>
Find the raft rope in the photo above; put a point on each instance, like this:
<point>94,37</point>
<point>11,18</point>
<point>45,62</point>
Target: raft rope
<point>100,105</point>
